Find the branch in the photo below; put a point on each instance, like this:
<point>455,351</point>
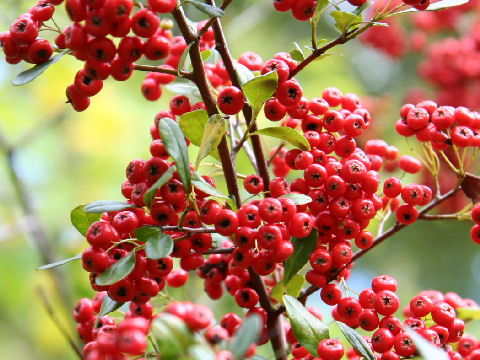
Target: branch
<point>209,23</point>
<point>158,69</point>
<point>200,80</point>
<point>219,251</point>
<point>199,230</point>
<point>222,48</point>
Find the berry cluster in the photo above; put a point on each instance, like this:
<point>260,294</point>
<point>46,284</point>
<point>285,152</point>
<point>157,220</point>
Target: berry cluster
<point>431,314</point>
<point>475,231</point>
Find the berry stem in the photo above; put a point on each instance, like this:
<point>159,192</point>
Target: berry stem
<point>200,80</point>
<point>158,69</point>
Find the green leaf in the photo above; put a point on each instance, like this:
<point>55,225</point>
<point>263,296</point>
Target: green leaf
<point>34,72</point>
<point>172,336</point>
<point>303,247</point>
<point>298,199</point>
<point>108,306</point>
<point>214,57</point>
<point>189,90</point>
<point>199,182</point>
<point>82,220</point>
<point>193,125</point>
<point>468,314</point>
<point>345,21</point>
<point>293,288</point>
<point>244,74</point>
<point>211,11</point>
<point>201,352</point>
<point>308,329</point>
<point>60,263</point>
<point>159,245</point>
<point>443,4</point>
<point>175,143</point>
<point>205,54</point>
<point>357,341</point>
<point>320,10</point>
<point>297,54</point>
<point>287,134</point>
<point>117,271</point>
<point>260,89</point>
<point>184,57</point>
<point>212,135</point>
<point>102,206</point>
<point>248,334</point>
<point>149,195</point>
<point>427,350</point>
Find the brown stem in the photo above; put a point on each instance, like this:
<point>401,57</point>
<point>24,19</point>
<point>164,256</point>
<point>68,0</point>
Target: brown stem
<point>274,325</point>
<point>209,23</point>
<point>200,80</point>
<point>51,312</point>
<point>222,48</point>
<point>219,251</point>
<point>159,69</point>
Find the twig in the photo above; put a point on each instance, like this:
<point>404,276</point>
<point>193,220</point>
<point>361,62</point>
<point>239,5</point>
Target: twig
<point>158,69</point>
<point>279,148</point>
<point>246,147</point>
<point>219,251</point>
<point>51,312</point>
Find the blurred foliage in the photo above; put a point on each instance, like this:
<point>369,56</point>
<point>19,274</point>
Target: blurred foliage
<point>83,159</point>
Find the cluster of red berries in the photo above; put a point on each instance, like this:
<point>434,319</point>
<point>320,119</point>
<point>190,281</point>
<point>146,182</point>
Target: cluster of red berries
<point>304,10</point>
<point>475,231</point>
<point>21,42</point>
<point>391,39</point>
<point>104,338</point>
<point>442,126</point>
<point>430,313</point>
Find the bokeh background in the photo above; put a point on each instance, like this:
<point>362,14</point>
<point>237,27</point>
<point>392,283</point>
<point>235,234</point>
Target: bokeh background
<point>63,159</point>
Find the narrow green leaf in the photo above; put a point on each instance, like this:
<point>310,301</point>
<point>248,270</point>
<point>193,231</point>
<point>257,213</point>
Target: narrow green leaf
<point>357,341</point>
<point>287,134</point>
<point>248,334</point>
<point>117,271</point>
<point>82,220</point>
<point>106,206</point>
<point>159,245</point>
<point>212,135</point>
<point>34,72</point>
<point>190,91</point>
<point>205,54</point>
<point>175,143</point>
<point>443,4</point>
<point>60,263</point>
<point>345,21</point>
<point>108,306</point>
<point>308,329</point>
<point>260,89</point>
<point>149,195</point>
<point>303,247</point>
<point>244,74</point>
<point>211,11</point>
<point>298,199</point>
<point>183,58</point>
<point>201,352</point>
<point>199,182</point>
<point>427,350</point>
<point>468,314</point>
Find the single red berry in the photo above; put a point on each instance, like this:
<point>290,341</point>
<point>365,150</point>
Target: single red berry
<point>231,100</point>
<point>253,184</point>
<point>226,222</point>
<point>331,349</point>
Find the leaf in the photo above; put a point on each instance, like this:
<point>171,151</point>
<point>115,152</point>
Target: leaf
<point>357,341</point>
<point>108,306</point>
<point>117,271</point>
<point>303,247</point>
<point>34,72</point>
<point>297,54</point>
<point>159,245</point>
<point>190,91</point>
<point>199,182</point>
<point>205,54</point>
<point>244,74</point>
<point>287,134</point>
<point>443,4</point>
<point>471,187</point>
<point>248,334</point>
<point>172,336</point>
<point>149,195</point>
<point>201,352</point>
<point>82,220</point>
<point>102,206</point>
<point>298,199</point>
<point>345,21</point>
<point>427,350</point>
<point>318,13</point>
<point>212,135</point>
<point>293,288</point>
<point>183,58</point>
<point>308,329</point>
<point>193,125</point>
<point>175,143</point>
<point>260,89</point>
<point>323,56</point>
<point>211,11</point>
<point>60,263</point>
<point>468,314</point>
<point>362,7</point>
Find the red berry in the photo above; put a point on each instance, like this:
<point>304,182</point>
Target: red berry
<point>231,100</point>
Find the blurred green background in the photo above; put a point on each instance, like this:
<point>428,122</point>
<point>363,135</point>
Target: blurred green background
<point>69,158</point>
